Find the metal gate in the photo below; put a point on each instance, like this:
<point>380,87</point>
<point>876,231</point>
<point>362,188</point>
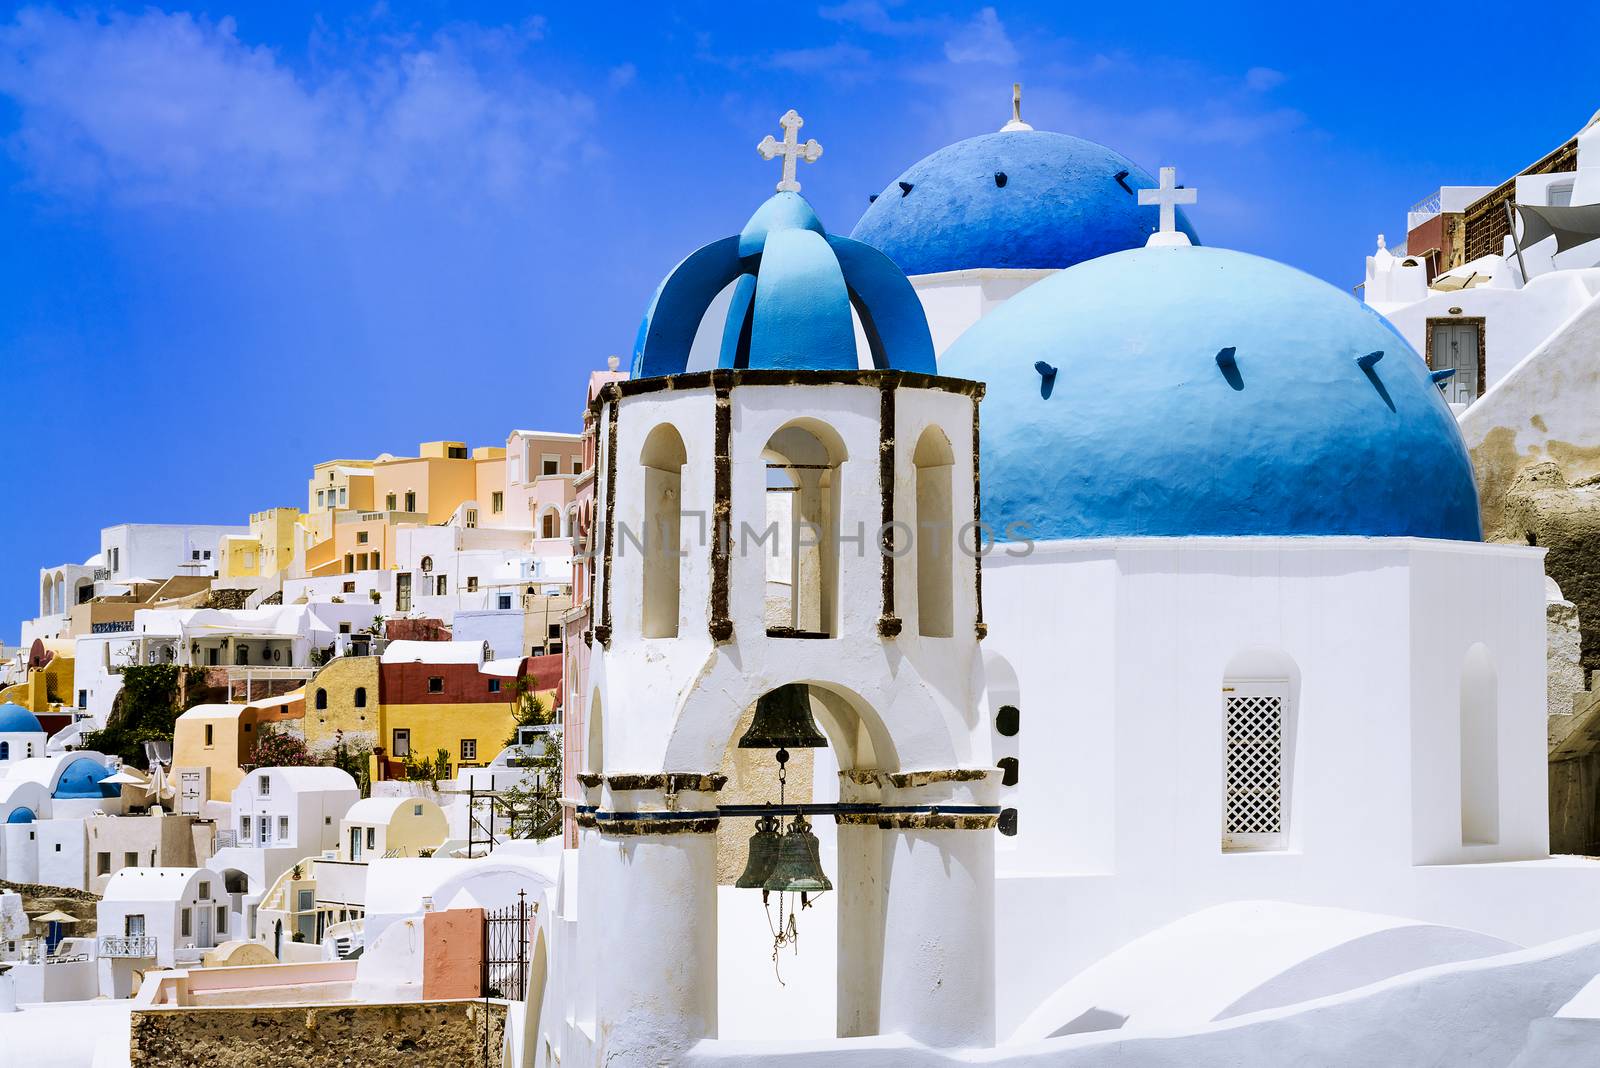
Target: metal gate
<point>505,951</point>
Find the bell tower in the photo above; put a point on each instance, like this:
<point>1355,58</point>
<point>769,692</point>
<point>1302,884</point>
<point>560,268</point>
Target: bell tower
<point>794,531</point>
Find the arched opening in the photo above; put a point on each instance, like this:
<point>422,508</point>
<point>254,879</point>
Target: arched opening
<point>594,745</point>
<point>322,699</point>
<point>60,593</point>
<point>550,524</point>
<point>360,696</point>
<point>662,458</point>
<point>802,462</point>
<point>1260,697</point>
<point>1480,749</point>
<point>935,533</point>
<point>5,750</point>
<point>83,591</point>
<point>1003,702</point>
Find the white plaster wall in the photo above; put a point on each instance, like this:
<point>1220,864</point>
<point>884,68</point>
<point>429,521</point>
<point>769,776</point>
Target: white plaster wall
<point>954,300</point>
<point>159,551</point>
<point>63,853</point>
<point>1516,321</point>
<point>1120,648</point>
<point>501,629</point>
<point>21,852</point>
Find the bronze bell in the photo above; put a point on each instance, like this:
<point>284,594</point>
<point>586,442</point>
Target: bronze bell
<point>764,846</point>
<point>783,721</point>
<point>799,866</point>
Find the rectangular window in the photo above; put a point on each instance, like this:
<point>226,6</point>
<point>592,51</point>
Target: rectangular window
<point>577,465</point>
<point>436,684</point>
<point>195,555</point>
<point>187,928</point>
<point>441,586</point>
<point>133,925</point>
<point>494,685</point>
<point>497,502</point>
<point>469,749</point>
<point>344,494</point>
<point>265,786</point>
<point>320,501</point>
<point>416,810</point>
<point>411,500</point>
<point>130,860</point>
<point>210,740</point>
<point>375,562</point>
<point>504,602</point>
<point>244,827</point>
<point>402,742</point>
<point>344,628</point>
<point>372,838</point>
<point>361,537</point>
<point>102,864</point>
<point>222,920</point>
<point>550,465</point>
<point>206,555</point>
<point>1253,811</point>
<point>389,503</point>
<point>205,891</point>
<point>350,587</point>
<point>283,828</point>
<point>472,583</point>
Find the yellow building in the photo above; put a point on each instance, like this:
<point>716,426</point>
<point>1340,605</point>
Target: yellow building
<point>342,705</point>
<point>48,682</point>
<point>216,741</point>
<point>337,486</point>
<point>434,483</point>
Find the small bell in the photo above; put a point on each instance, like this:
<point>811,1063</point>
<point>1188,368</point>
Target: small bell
<point>764,846</point>
<point>799,866</point>
<point>783,721</point>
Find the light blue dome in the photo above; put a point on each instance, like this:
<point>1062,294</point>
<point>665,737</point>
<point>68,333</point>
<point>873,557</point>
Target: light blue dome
<point>1019,199</point>
<point>794,288</point>
<point>1202,391</point>
<point>81,779</point>
<point>14,719</point>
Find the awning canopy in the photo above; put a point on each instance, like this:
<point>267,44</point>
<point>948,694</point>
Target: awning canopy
<point>1572,226</point>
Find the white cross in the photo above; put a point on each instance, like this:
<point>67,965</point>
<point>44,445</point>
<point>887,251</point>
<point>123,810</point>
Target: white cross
<point>1168,196</point>
<point>790,149</point>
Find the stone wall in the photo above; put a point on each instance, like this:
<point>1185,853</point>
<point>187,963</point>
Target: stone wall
<point>429,1034</point>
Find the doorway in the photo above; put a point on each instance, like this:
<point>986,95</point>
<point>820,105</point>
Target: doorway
<point>1457,343</point>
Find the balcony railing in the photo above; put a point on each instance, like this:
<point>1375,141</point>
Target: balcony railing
<point>227,839</point>
<point>128,946</point>
<point>1428,205</point>
<point>112,626</point>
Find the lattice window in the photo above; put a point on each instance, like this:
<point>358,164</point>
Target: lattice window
<point>1253,813</point>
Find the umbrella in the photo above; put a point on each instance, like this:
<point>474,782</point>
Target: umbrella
<point>124,778</point>
<point>55,919</point>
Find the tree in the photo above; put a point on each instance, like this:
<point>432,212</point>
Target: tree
<point>275,749</point>
<point>532,806</point>
<point>353,764</point>
<point>144,711</point>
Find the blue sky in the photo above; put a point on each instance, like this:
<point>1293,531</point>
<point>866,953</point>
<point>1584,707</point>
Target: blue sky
<point>236,240</point>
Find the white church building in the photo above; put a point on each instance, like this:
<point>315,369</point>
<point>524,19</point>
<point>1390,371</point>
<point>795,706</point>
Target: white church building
<point>1226,747</point>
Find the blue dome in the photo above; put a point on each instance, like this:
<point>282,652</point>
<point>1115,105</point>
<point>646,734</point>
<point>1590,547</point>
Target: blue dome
<point>81,779</point>
<point>794,287</point>
<point>14,719</point>
<point>1201,391</point>
<point>1019,199</point>
<point>21,814</point>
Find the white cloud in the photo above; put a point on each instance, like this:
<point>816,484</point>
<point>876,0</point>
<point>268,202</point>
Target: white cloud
<point>983,40</point>
<point>174,107</point>
<point>1261,79</point>
<point>830,58</point>
<point>622,76</point>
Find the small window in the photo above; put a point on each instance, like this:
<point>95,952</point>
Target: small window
<point>327,821</point>
<point>195,555</point>
<point>372,838</point>
<point>344,628</point>
<point>322,699</point>
<point>58,847</point>
<point>577,465</point>
<point>207,554</point>
<point>361,537</point>
<point>504,601</point>
<point>266,786</point>
<point>344,494</point>
<point>390,503</point>
<point>102,864</point>
<point>244,827</point>
<point>188,924</point>
<point>210,739</point>
<point>550,465</point>
<point>283,828</point>
<point>361,697</point>
<point>350,587</point>
<point>472,583</point>
<point>205,891</point>
<point>469,749</point>
<point>416,810</point>
<point>497,502</point>
<point>441,586</point>
<point>411,500</point>
<point>222,920</point>
<point>436,684</point>
<point>319,498</point>
<point>494,685</point>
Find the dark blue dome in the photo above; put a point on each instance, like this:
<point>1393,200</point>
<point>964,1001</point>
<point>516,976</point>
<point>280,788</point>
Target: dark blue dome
<point>20,815</point>
<point>1017,199</point>
<point>14,719</point>
<point>1174,391</point>
<point>81,779</point>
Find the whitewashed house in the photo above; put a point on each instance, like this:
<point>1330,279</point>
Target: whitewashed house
<point>158,917</point>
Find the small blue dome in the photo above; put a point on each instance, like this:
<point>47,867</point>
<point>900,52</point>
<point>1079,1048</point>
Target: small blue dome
<point>14,719</point>
<point>1017,199</point>
<point>21,814</point>
<point>81,779</point>
<point>1174,391</point>
<point>794,287</point>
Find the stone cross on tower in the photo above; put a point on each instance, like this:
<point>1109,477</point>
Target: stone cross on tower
<point>790,149</point>
<point>1016,122</point>
<point>1169,195</point>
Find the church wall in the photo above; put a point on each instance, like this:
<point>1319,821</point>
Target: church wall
<point>954,300</point>
<point>1136,750</point>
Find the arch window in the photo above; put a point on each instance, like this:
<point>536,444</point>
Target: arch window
<point>322,699</point>
<point>550,526</point>
<point>802,527</point>
<point>360,696</point>
<point>1259,690</point>
<point>663,458</point>
<point>5,750</point>
<point>934,535</point>
<point>1480,749</point>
